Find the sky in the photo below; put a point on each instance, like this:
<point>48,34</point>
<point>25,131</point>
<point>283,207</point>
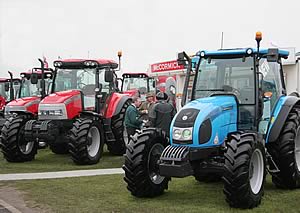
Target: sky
<point>147,31</point>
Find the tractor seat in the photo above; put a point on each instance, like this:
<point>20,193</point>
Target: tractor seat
<point>89,90</point>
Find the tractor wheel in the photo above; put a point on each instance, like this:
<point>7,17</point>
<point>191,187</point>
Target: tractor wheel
<point>13,145</point>
<point>141,163</point>
<point>286,152</point>
<point>244,170</point>
<point>86,141</point>
<point>59,148</point>
<point>118,147</point>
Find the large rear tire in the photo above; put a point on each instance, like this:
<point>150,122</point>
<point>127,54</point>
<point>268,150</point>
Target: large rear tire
<point>286,153</point>
<point>141,163</point>
<point>86,141</point>
<point>244,170</point>
<point>118,147</point>
<point>13,145</point>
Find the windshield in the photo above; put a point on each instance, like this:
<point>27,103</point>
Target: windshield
<point>82,79</point>
<point>29,90</point>
<point>141,84</point>
<point>230,75</point>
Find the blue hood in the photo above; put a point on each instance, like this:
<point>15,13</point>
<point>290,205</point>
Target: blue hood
<point>217,112</point>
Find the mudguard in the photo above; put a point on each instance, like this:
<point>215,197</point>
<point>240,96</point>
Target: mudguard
<point>211,118</point>
<point>279,115</point>
<point>116,102</point>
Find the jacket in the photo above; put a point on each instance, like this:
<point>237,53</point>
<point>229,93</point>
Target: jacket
<point>131,117</point>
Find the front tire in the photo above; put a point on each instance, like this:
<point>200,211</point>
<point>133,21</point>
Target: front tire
<point>141,163</point>
<point>86,141</point>
<point>13,145</point>
<point>286,153</point>
<point>118,147</point>
<point>244,170</point>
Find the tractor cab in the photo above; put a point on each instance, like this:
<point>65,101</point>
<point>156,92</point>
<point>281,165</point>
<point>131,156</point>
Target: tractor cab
<point>31,82</point>
<point>255,87</point>
<point>8,91</point>
<point>88,79</point>
<point>137,84</point>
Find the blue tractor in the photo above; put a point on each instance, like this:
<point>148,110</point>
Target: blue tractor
<point>237,124</point>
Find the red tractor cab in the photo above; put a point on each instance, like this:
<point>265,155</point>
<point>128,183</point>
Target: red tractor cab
<point>9,90</point>
<point>17,112</point>
<point>84,111</point>
<point>137,84</point>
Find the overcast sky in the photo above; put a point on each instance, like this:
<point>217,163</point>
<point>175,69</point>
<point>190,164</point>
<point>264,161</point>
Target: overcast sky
<point>147,31</point>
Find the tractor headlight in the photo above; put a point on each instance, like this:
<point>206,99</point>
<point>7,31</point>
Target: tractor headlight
<point>57,64</point>
<point>176,134</point>
<point>183,134</point>
<point>52,111</point>
<point>187,134</point>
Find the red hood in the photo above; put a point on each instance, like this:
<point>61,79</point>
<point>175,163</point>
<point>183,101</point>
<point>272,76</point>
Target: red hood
<point>60,97</point>
<point>24,101</point>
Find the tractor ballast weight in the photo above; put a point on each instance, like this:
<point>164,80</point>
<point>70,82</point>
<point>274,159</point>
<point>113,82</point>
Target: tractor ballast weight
<point>237,125</point>
<point>84,111</point>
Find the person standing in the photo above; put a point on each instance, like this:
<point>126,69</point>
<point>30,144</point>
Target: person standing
<point>147,105</point>
<point>162,113</point>
<point>132,123</point>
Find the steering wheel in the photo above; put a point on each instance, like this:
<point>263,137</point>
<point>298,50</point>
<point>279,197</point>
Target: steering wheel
<point>228,88</point>
<point>80,83</point>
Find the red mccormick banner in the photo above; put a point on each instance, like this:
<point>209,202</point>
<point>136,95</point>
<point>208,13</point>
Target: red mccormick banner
<point>166,66</point>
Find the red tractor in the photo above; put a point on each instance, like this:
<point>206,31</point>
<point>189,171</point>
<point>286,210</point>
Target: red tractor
<point>84,111</point>
<point>137,84</point>
<point>33,88</point>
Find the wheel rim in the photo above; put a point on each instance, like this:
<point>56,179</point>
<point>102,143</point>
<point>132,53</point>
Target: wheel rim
<point>256,171</point>
<point>153,158</point>
<point>94,141</point>
<point>26,148</point>
<point>297,149</point>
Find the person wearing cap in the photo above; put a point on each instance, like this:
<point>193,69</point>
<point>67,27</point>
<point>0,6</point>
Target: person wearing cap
<point>162,113</point>
<point>132,123</point>
<point>148,104</point>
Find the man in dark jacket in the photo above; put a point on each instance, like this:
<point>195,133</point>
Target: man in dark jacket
<point>131,117</point>
<point>162,113</point>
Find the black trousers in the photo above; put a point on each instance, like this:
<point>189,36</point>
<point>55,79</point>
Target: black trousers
<point>130,131</point>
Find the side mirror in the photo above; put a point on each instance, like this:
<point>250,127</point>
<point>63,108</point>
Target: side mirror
<point>180,59</point>
<point>6,87</point>
<point>109,76</point>
<point>272,55</point>
<point>34,78</point>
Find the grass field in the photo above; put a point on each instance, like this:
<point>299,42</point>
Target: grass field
<point>46,161</point>
<point>109,194</point>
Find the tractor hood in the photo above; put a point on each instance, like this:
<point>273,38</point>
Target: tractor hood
<point>61,105</point>
<point>60,97</point>
<point>25,101</point>
<point>28,104</point>
<point>205,122</point>
<point>2,102</point>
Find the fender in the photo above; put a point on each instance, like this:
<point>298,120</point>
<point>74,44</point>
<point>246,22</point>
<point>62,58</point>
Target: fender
<point>283,107</point>
<point>116,102</point>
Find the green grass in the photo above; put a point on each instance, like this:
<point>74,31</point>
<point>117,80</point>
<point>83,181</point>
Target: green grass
<point>46,161</point>
<point>109,194</point>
